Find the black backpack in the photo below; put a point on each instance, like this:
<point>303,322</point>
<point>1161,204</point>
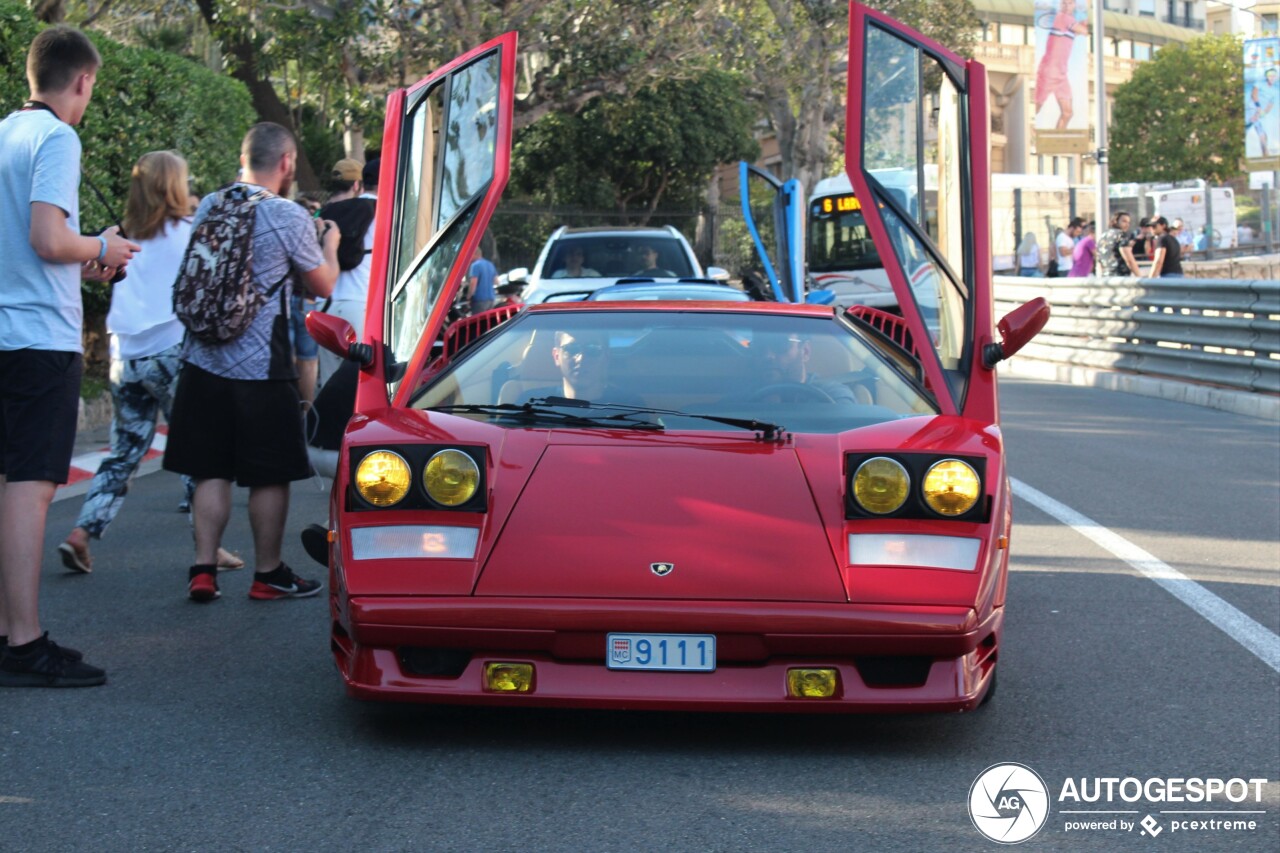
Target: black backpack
<point>353,216</point>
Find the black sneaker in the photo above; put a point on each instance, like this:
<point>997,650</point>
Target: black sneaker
<point>282,583</point>
<point>47,665</point>
<point>69,654</point>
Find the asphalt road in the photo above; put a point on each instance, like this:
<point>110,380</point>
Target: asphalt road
<point>224,726</point>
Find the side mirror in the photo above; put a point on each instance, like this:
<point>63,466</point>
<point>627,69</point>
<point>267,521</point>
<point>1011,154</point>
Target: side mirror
<point>519,275</point>
<point>718,274</point>
<point>1016,328</point>
<point>338,337</point>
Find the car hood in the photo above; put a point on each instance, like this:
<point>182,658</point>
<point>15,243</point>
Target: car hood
<point>733,522</point>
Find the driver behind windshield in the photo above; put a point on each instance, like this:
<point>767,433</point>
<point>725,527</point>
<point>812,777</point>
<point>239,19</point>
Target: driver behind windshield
<point>783,360</point>
<point>583,361</point>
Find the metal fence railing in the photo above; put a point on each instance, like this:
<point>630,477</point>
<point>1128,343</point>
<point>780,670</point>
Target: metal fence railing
<point>1217,331</point>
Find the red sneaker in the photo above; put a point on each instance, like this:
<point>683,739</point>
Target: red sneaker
<point>203,586</point>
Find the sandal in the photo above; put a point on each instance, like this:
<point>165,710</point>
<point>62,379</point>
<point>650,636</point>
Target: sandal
<point>76,561</point>
<point>227,561</point>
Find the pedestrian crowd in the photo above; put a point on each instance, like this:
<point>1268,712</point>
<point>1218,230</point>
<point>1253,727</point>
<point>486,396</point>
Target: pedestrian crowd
<point>233,378</point>
<point>1079,251</point>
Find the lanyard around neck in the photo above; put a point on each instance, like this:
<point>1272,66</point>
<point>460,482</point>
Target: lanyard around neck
<point>40,105</point>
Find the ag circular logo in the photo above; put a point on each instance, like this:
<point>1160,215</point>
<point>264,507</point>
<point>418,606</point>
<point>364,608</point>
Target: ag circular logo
<point>1008,803</point>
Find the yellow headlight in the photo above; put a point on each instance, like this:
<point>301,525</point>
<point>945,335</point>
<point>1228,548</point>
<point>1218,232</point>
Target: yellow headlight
<point>451,477</point>
<point>812,683</point>
<point>880,485</point>
<point>508,677</point>
<point>383,478</point>
<point>951,487</point>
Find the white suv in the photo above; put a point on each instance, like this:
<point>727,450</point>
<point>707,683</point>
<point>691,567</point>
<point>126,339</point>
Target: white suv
<point>576,262</point>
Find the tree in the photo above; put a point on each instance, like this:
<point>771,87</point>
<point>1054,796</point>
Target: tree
<point>794,51</point>
<point>635,154</point>
<point>1181,115</point>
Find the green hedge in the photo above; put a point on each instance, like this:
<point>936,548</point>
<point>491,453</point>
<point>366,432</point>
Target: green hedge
<point>144,100</point>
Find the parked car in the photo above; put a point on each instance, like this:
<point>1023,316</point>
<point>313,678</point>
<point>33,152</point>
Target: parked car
<point>581,260</point>
<point>767,506</point>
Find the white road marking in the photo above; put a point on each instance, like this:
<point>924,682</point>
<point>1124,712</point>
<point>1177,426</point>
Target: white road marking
<point>1246,631</point>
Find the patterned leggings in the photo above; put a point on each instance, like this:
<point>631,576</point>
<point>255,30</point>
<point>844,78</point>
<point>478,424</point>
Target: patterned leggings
<point>141,389</point>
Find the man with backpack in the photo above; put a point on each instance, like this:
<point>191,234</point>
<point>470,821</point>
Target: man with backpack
<point>351,209</point>
<point>236,411</point>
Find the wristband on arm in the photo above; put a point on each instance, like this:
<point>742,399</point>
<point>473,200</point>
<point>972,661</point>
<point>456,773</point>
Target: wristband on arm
<point>102,253</point>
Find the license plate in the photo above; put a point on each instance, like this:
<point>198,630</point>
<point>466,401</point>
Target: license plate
<point>669,652</point>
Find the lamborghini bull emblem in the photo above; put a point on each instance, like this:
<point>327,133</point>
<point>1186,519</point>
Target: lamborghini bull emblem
<point>662,569</point>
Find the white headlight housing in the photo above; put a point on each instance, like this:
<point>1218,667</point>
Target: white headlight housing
<point>414,542</point>
<point>914,550</point>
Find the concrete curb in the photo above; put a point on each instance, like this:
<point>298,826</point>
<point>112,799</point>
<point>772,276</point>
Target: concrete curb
<point>94,413</point>
<point>1246,403</point>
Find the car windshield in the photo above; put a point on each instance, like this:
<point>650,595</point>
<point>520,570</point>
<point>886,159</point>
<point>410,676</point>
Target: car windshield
<point>798,373</point>
<point>616,256</point>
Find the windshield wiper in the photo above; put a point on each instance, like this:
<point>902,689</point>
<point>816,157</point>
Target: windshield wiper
<point>768,431</point>
<point>530,412</point>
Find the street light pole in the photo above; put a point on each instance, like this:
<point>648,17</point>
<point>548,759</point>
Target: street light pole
<point>1100,95</point>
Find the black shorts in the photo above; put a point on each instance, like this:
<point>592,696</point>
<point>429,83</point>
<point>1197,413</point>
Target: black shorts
<point>249,431</point>
<point>39,408</point>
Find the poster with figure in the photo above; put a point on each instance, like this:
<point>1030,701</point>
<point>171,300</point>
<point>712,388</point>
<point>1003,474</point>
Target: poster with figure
<point>1262,103</point>
<point>1062,76</point>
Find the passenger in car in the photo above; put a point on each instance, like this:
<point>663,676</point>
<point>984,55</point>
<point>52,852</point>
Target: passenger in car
<point>583,361</point>
<point>573,265</point>
<point>649,256</point>
<point>784,360</point>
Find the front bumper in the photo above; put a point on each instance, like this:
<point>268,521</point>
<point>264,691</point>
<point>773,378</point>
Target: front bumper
<point>757,642</point>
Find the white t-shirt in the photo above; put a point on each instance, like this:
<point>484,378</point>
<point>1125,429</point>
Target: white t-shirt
<point>40,305</point>
<point>141,320</point>
<point>1065,246</point>
<point>1031,259</point>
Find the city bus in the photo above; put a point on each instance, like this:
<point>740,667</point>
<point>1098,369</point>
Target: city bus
<point>841,255</point>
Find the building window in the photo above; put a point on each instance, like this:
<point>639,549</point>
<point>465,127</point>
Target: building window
<point>1141,51</point>
<point>1271,23</point>
<point>1013,34</point>
<point>1147,8</point>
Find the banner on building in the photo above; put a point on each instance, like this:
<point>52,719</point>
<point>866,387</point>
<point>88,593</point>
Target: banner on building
<point>1062,76</point>
<point>1262,104</point>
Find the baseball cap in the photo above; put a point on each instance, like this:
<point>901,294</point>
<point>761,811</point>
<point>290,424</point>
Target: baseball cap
<point>347,170</point>
<point>1144,222</point>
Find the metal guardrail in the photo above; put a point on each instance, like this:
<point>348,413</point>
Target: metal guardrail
<point>1224,332</point>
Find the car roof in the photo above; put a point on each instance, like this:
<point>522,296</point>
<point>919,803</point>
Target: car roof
<point>683,306</point>
<point>651,291</point>
<point>633,230</point>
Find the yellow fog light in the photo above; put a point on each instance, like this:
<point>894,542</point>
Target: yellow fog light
<point>508,677</point>
<point>451,477</point>
<point>880,485</point>
<point>951,487</point>
<point>812,683</point>
<point>383,477</point>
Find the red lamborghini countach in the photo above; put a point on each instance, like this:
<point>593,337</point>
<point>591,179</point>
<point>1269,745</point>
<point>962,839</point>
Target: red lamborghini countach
<point>681,505</point>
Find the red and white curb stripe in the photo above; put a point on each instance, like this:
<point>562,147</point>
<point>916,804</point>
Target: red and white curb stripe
<point>84,466</point>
